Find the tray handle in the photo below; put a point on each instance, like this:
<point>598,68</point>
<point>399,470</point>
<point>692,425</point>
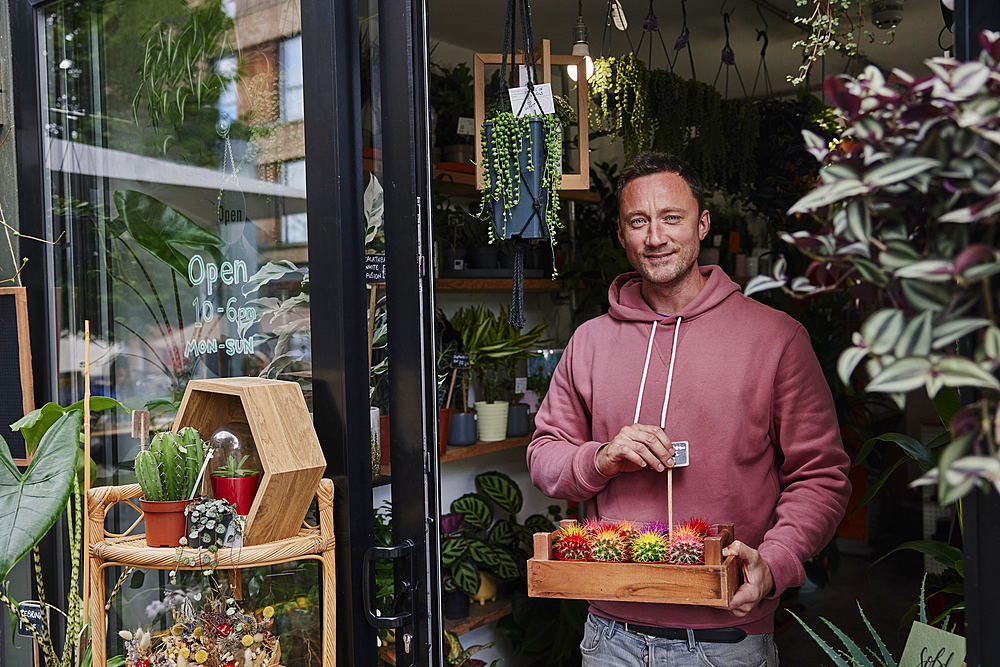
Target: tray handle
<point>715,544</point>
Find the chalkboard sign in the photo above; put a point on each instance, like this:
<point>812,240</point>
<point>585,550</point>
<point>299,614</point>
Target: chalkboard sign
<point>460,361</point>
<point>16,387</point>
<point>33,612</point>
<point>375,269</point>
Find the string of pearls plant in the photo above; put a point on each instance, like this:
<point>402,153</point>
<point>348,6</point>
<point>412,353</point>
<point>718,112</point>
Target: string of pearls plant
<point>834,25</point>
<point>619,93</point>
<point>511,136</point>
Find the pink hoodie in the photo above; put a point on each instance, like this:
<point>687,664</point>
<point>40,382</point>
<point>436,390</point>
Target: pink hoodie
<point>749,396</point>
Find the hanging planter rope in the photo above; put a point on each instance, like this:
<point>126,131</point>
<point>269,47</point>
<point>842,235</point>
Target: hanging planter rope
<point>523,154</point>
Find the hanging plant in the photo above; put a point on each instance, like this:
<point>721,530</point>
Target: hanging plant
<point>619,101</point>
<point>510,146</point>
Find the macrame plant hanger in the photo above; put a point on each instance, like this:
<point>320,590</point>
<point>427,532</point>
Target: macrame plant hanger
<point>615,15</point>
<point>516,317</point>
<point>684,41</point>
<point>650,25</point>
<point>728,57</point>
<point>762,65</point>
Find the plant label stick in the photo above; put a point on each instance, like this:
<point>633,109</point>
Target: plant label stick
<point>680,460</point>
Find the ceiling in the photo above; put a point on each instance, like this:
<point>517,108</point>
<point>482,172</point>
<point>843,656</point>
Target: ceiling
<point>477,25</point>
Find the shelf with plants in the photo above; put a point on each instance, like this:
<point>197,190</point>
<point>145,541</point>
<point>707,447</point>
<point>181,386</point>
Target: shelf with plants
<point>478,449</point>
<point>480,615</point>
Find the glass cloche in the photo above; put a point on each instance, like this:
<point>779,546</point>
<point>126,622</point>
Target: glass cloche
<point>234,468</point>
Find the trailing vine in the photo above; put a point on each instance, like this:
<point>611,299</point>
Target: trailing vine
<point>834,25</point>
<point>619,101</point>
<point>508,138</point>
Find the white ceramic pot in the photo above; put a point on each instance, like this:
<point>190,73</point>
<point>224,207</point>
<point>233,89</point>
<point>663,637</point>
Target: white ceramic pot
<point>491,420</point>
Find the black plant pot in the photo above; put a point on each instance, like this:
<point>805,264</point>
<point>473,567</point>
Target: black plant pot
<point>462,430</point>
<point>456,605</point>
<point>453,259</point>
<point>522,220</point>
<point>482,258</point>
<point>518,422</point>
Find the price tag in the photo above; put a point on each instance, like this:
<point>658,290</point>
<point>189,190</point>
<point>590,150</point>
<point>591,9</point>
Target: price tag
<point>467,126</point>
<point>928,646</point>
<point>460,361</point>
<point>524,104</point>
<point>33,612</point>
<point>680,454</point>
<point>520,385</point>
<point>375,269</point>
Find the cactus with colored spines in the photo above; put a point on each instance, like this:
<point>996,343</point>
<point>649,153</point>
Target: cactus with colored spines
<point>571,543</point>
<point>169,469</point>
<point>649,546</point>
<point>685,546</point>
<point>608,544</point>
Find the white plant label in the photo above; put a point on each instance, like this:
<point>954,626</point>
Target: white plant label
<point>520,385</point>
<point>680,454</point>
<point>467,126</point>
<point>524,104</point>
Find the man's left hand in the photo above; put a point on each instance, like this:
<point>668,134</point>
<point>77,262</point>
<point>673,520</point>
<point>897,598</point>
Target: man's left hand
<point>757,580</point>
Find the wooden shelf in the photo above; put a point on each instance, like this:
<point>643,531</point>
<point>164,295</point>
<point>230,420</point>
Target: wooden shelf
<point>496,285</point>
<point>455,453</point>
<point>455,180</point>
<point>480,615</point>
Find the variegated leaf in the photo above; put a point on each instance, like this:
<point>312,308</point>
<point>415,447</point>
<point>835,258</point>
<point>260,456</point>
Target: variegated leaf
<point>477,510</point>
<point>902,376</point>
<point>828,194</point>
<point>501,489</point>
<point>916,337</point>
<point>950,331</point>
<point>962,372</point>
<point>762,284</point>
<point>898,170</point>
<point>848,361</point>
<point>882,329</point>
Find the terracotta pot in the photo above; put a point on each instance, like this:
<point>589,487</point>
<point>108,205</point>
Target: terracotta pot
<point>165,521</point>
<point>237,490</point>
<point>444,422</point>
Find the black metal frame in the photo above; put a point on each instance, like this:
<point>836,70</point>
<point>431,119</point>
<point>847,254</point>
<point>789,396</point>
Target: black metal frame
<point>410,305</point>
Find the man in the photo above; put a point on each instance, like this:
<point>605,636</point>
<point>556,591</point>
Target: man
<point>738,382</point>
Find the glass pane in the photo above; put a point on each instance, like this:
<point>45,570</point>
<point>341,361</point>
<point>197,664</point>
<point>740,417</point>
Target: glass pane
<point>174,159</point>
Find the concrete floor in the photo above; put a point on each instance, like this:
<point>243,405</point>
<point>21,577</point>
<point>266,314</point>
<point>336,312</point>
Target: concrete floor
<point>886,591</point>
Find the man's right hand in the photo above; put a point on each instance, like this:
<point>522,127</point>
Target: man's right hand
<point>636,447</point>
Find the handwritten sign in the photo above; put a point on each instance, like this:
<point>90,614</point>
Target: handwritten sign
<point>375,269</point>
<point>928,646</point>
<point>460,361</point>
<point>525,104</point>
<point>33,612</point>
<point>208,309</point>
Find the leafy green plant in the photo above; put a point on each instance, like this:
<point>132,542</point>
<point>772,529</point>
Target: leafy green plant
<point>31,503</point>
<point>451,95</point>
<point>909,210</point>
<point>170,468</point>
<point>481,541</point>
<point>234,468</point>
<point>619,98</point>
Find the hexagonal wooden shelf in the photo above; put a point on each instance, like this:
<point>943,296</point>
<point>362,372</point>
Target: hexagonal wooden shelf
<point>286,442</point>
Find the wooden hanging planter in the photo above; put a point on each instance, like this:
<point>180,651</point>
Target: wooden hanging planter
<point>578,180</point>
<point>289,450</point>
<point>712,584</point>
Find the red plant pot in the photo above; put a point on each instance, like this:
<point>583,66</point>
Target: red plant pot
<point>165,522</point>
<point>444,421</point>
<point>237,490</point>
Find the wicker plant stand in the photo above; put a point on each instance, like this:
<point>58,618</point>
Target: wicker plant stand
<point>127,550</point>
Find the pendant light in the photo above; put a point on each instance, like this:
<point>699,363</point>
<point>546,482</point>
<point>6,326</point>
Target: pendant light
<point>581,47</point>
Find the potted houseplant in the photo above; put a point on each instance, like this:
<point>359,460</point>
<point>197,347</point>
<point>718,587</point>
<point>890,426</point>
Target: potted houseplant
<point>486,344</point>
<point>462,430</point>
<point>906,218</point>
<point>168,472</point>
<point>521,348</point>
<point>235,467</point>
<point>211,523</point>
<point>451,97</point>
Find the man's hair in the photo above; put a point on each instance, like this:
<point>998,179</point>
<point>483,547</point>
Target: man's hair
<point>652,162</point>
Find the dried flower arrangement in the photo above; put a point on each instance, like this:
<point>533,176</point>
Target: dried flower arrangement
<point>222,635</point>
<point>623,541</point>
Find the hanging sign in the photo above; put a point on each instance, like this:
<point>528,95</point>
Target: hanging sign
<point>928,646</point>
<point>33,612</point>
<point>375,269</point>
<point>524,104</point>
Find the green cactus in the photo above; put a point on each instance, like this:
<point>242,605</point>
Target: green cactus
<point>169,469</point>
<point>650,546</point>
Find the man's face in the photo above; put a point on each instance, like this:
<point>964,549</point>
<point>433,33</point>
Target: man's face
<point>660,228</point>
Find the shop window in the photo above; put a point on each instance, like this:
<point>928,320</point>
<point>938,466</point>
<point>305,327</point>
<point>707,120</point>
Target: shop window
<point>291,79</point>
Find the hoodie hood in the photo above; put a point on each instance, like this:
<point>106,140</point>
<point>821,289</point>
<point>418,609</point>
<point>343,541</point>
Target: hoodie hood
<point>627,304</point>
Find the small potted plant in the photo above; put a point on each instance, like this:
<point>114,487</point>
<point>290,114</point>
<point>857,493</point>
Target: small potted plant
<point>235,467</point>
<point>168,472</point>
<point>485,344</point>
<point>521,348</point>
<point>212,523</point>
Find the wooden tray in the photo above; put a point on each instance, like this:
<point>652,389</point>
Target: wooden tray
<point>712,584</point>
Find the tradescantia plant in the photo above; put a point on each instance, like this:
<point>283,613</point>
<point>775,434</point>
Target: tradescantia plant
<point>908,205</point>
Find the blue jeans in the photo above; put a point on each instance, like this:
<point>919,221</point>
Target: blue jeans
<point>607,644</point>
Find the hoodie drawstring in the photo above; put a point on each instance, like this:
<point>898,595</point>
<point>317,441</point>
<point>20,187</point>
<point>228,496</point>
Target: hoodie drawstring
<point>670,373</point>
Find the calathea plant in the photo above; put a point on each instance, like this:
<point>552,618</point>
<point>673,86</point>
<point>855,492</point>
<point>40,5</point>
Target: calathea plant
<point>481,540</point>
<point>908,207</point>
